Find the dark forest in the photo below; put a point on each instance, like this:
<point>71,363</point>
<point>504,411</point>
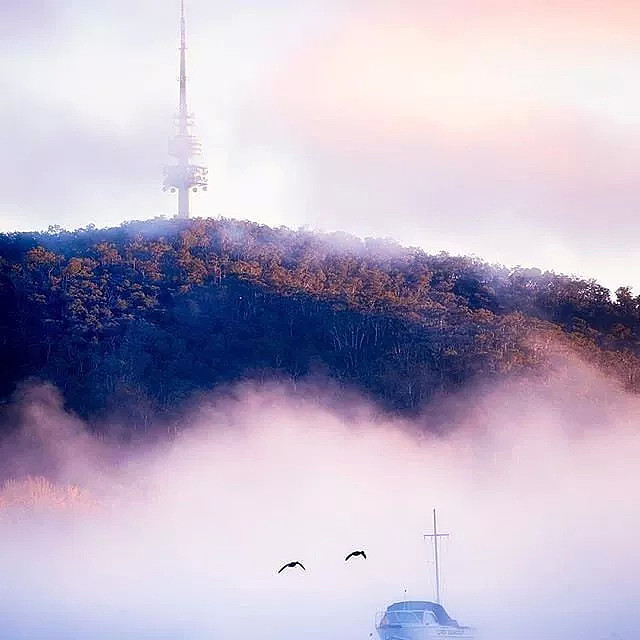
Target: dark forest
<point>136,321</point>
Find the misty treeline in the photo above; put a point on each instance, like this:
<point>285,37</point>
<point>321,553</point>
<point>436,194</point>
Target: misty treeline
<point>134,321</point>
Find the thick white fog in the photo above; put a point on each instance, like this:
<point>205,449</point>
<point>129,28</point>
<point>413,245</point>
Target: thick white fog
<point>536,483</point>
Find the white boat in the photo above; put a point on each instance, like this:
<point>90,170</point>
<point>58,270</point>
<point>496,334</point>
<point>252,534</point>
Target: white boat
<point>421,619</point>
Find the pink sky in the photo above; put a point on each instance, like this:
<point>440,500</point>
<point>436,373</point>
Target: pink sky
<point>472,127</point>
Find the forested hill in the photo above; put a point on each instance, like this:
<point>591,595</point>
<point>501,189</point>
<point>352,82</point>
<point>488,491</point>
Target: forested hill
<point>135,320</point>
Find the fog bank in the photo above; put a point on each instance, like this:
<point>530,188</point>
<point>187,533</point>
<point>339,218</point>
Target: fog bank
<point>537,484</point>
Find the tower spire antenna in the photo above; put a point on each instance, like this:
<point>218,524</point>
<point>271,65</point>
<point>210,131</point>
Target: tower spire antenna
<point>184,176</point>
<point>183,113</point>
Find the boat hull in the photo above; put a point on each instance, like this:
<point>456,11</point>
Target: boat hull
<point>402,632</point>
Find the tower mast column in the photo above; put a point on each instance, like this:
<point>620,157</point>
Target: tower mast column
<point>183,202</point>
<point>184,176</point>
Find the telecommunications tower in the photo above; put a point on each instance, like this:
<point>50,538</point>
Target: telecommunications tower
<point>184,176</point>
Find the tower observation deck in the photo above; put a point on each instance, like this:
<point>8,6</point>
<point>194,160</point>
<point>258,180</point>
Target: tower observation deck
<point>184,176</point>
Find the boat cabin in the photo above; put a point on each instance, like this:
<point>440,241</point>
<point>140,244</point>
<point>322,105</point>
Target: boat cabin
<point>415,612</point>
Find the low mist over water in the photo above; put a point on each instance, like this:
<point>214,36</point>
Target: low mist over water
<point>537,485</point>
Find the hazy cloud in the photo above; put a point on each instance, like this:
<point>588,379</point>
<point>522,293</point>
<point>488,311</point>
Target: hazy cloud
<point>535,483</point>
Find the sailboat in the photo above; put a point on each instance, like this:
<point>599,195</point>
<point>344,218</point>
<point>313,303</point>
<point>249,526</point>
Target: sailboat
<point>421,619</point>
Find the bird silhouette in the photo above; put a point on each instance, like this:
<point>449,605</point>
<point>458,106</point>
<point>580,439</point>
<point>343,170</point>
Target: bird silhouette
<point>356,553</point>
<point>291,565</point>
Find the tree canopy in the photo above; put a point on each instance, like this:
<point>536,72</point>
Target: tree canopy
<point>135,320</point>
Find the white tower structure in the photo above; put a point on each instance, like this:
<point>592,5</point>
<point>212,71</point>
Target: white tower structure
<point>184,176</point>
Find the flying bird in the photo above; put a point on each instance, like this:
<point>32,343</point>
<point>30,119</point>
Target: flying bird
<point>356,553</point>
<point>291,565</point>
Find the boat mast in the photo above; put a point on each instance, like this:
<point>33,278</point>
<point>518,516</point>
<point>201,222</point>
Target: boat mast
<point>435,535</point>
